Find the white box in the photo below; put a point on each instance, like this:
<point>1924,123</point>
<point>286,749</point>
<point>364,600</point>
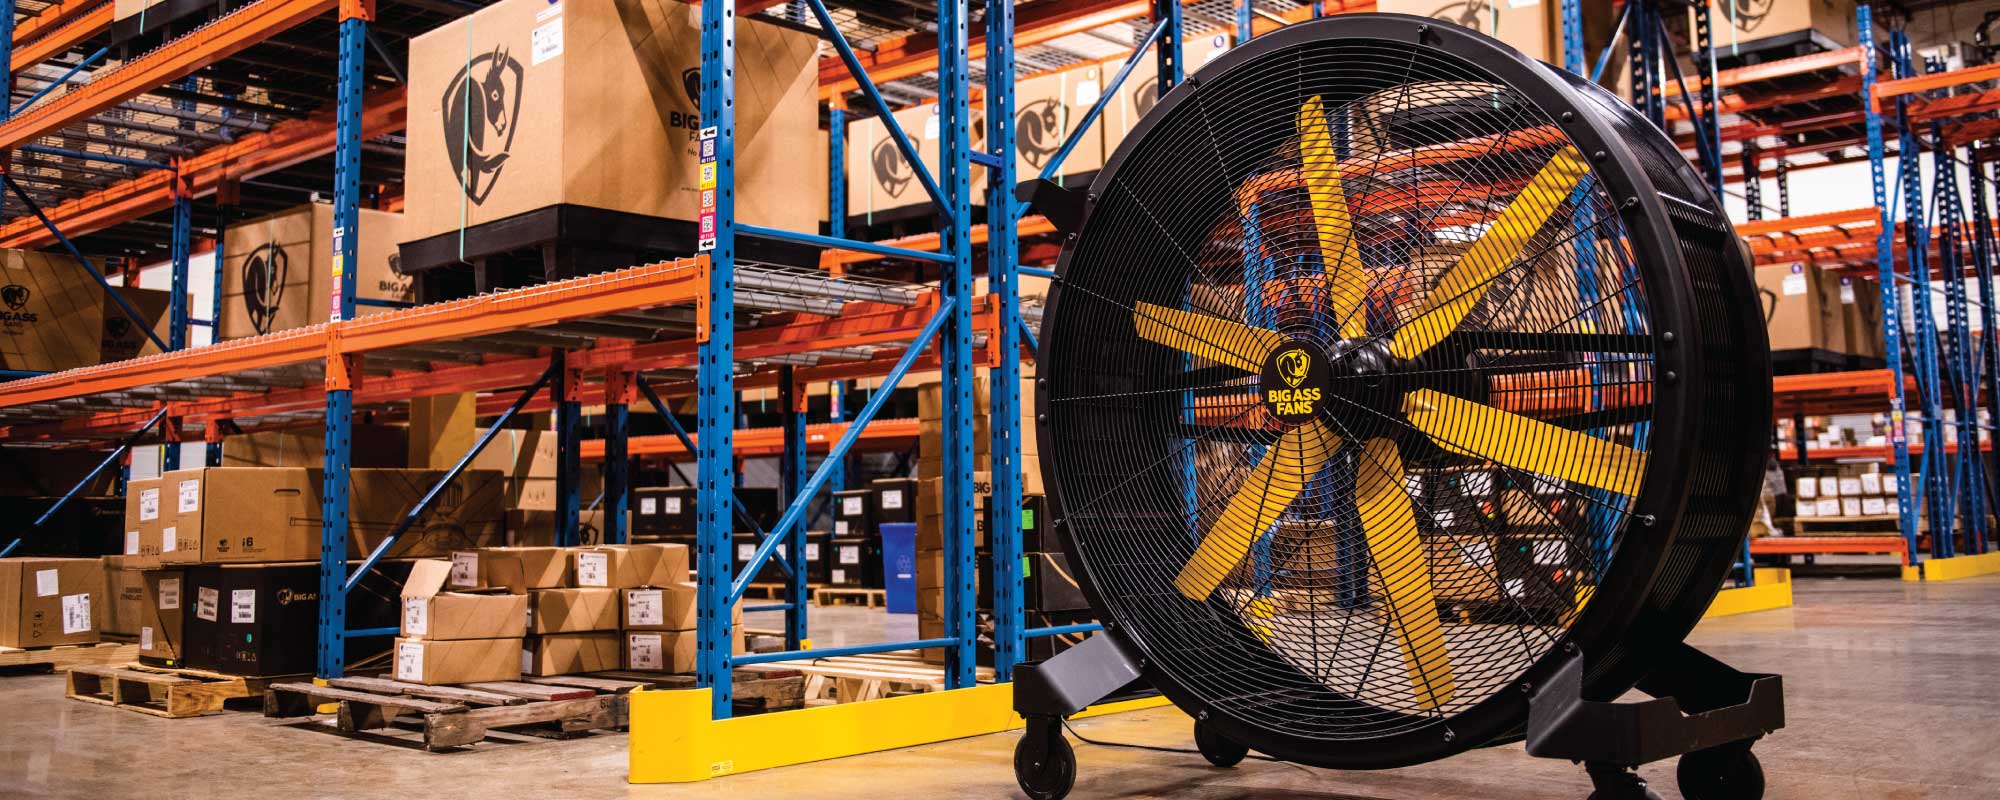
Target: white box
<point>1828,507</point>
<point>1850,506</point>
<point>1829,486</point>
<point>1874,506</point>
<point>1808,488</point>
<point>1871,483</point>
<point>1850,487</point>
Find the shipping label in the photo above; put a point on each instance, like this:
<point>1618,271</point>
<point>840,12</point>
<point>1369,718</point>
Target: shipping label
<point>170,594</point>
<point>243,606</point>
<point>416,615</point>
<point>149,504</point>
<point>75,613</point>
<point>170,538</point>
<point>545,42</point>
<point>410,661</point>
<point>644,608</point>
<point>850,554</point>
<point>892,499</point>
<point>649,506</point>
<point>190,496</point>
<point>673,505</point>
<point>146,637</point>
<point>644,649</point>
<point>131,543</point>
<point>851,506</point>
<point>464,569</point>
<point>45,583</point>
<point>206,598</point>
<point>593,569</point>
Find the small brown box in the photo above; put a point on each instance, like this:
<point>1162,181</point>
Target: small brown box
<point>572,610</point>
<point>50,601</point>
<point>430,612</point>
<point>570,653</point>
<point>518,569</point>
<point>659,651</point>
<point>659,608</point>
<point>458,661</point>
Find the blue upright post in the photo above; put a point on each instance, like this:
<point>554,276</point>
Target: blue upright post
<point>1989,358</point>
<point>1002,259</point>
<point>342,372</point>
<point>1935,486</point>
<point>1170,67</point>
<point>569,417</point>
<point>1572,33</point>
<point>618,397</point>
<point>1244,13</point>
<point>792,475</point>
<point>1709,127</point>
<point>715,335</point>
<point>955,162</point>
<point>1885,268</point>
<point>836,173</point>
<point>177,302</point>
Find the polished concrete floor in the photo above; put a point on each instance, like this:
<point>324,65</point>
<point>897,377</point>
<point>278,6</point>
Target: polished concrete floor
<point>1890,688</point>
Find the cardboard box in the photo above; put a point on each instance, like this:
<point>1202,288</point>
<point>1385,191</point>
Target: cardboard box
<point>1829,486</point>
<point>1047,107</point>
<point>458,661</point>
<point>430,612</point>
<point>659,651</point>
<point>125,595</point>
<point>252,514</point>
<point>570,653</point>
<point>1829,24</point>
<point>142,520</point>
<point>54,316</point>
<point>1797,312</point>
<point>659,608</point>
<point>1874,506</point>
<point>519,569</point>
<point>1827,507</point>
<point>881,181</point>
<point>857,561</point>
<point>1861,317</point>
<point>1141,89</point>
<point>262,619</point>
<point>628,565</point>
<point>277,271</point>
<point>1850,506</point>
<point>370,446</point>
<point>596,103</point>
<point>572,610</point>
<point>160,615</point>
<point>50,601</point>
<point>1850,485</point>
<point>852,513</point>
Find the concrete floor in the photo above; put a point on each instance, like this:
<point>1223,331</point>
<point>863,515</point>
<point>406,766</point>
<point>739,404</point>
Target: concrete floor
<point>1889,688</point>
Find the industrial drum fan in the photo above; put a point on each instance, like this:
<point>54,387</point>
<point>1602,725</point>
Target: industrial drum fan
<point>1401,395</point>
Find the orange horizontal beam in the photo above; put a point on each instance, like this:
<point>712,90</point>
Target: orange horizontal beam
<point>831,260</point>
<point>649,286</point>
<point>882,434</point>
<point>1764,227</point>
<point>218,40</point>
<point>1892,89</point>
<point>278,349</point>
<point>1755,73</point>
<point>1880,452</point>
<point>57,30</point>
<point>285,144</point>
<point>1846,545</point>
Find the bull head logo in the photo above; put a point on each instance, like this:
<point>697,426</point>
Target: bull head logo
<point>482,104</point>
<point>1147,95</point>
<point>15,295</point>
<point>264,274</point>
<point>892,173</point>
<point>691,83</point>
<point>118,327</point>
<point>1038,131</point>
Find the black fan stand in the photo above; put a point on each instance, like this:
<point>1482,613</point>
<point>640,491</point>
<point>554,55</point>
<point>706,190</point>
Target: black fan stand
<point>1701,710</point>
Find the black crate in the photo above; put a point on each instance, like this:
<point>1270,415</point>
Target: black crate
<point>761,503</point>
<point>263,619</point>
<point>745,544</point>
<point>659,510</point>
<point>856,561</point>
<point>853,513</point>
<point>893,500</point>
<point>819,556</point>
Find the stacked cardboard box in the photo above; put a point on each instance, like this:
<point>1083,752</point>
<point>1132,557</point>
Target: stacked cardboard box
<point>574,597</point>
<point>880,182</point>
<point>1530,26</point>
<point>50,601</point>
<point>458,636</point>
<point>659,627</point>
<point>161,616</point>
<point>1141,89</point>
<point>369,446</point>
<point>1806,308</point>
<point>54,316</point>
<point>527,105</point>
<point>262,619</point>
<point>277,271</point>
<point>1847,491</point>
<point>124,594</point>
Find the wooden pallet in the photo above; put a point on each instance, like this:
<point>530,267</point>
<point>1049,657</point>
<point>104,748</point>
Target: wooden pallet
<point>850,596</point>
<point>455,716</point>
<point>850,679</point>
<point>161,692</point>
<point>63,657</point>
<point>764,591</point>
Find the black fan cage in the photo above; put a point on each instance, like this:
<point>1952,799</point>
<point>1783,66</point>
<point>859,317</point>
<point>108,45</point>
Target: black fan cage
<point>1388,368</point>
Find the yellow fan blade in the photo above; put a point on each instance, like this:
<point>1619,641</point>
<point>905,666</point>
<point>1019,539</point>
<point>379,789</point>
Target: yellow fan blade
<point>1498,248</point>
<point>1272,486</point>
<point>1391,529</point>
<point>1211,337</point>
<point>1523,443</point>
<point>1346,280</point>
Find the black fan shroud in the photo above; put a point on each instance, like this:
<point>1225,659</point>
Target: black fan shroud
<point>1120,448</point>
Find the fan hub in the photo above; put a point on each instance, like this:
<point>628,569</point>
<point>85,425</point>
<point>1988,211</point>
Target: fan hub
<point>1296,379</point>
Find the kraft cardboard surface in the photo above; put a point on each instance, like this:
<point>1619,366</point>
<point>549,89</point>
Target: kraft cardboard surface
<point>458,661</point>
<point>277,271</point>
<point>253,514</point>
<point>160,626</point>
<point>430,612</point>
<point>1530,26</point>
<point>572,610</point>
<point>1141,89</point>
<point>1798,313</point>
<point>570,653</point>
<point>125,595</point>
<point>54,316</point>
<point>528,104</point>
<point>659,608</point>
<point>50,601</point>
<point>370,446</point>
<point>659,651</point>
<point>518,569</point>
<point>142,518</point>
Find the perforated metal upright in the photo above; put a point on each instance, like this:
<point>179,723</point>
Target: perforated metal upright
<point>342,371</point>
<point>619,393</point>
<point>1002,257</point>
<point>1885,267</point>
<point>961,598</point>
<point>792,477</point>
<point>715,393</point>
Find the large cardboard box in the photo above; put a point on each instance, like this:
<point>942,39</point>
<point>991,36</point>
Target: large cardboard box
<point>1830,24</point>
<point>430,612</point>
<point>370,447</point>
<point>570,653</point>
<point>880,180</point>
<point>1861,317</point>
<point>125,595</point>
<point>572,610</point>
<point>658,608</point>
<point>255,514</point>
<point>1141,89</point>
<point>277,271</point>
<point>628,565</point>
<point>1047,108</point>
<point>142,518</point>
<point>528,104</point>
<point>1801,307</point>
<point>54,316</point>
<point>160,620</point>
<point>50,601</point>
<point>458,660</point>
<point>1530,26</point>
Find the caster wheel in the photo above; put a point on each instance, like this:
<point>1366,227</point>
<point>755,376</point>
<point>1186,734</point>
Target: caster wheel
<point>1730,773</point>
<point>1620,784</point>
<point>1051,777</point>
<point>1218,749</point>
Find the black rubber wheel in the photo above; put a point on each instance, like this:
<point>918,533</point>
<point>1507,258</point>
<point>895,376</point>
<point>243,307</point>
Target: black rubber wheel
<point>1620,784</point>
<point>1220,750</point>
<point>1722,774</point>
<point>1050,779</point>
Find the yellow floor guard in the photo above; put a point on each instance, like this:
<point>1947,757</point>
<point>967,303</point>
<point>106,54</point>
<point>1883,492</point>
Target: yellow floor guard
<point>1951,569</point>
<point>674,740</point>
<point>1772,590</point>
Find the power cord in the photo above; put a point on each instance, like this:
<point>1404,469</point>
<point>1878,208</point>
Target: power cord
<point>1155,748</point>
